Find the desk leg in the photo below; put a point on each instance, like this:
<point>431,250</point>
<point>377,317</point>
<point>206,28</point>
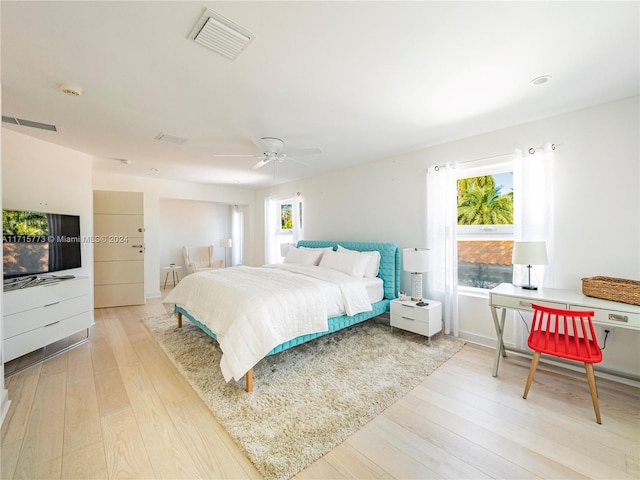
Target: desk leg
<point>499,332</point>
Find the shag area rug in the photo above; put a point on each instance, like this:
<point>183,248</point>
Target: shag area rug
<point>309,399</point>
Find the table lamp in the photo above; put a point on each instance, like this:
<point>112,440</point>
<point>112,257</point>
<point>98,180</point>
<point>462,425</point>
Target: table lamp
<point>284,248</point>
<point>529,253</point>
<point>226,243</point>
<point>416,261</point>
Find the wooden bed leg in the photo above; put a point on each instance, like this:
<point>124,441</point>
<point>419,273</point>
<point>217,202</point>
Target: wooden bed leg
<point>248,378</point>
<point>179,320</point>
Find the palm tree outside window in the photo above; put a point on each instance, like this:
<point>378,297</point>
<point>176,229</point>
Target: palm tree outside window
<point>485,228</point>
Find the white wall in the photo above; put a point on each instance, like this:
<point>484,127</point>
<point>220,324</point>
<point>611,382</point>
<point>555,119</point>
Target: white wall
<point>44,177</point>
<point>597,204</point>
<point>154,191</point>
<point>190,222</point>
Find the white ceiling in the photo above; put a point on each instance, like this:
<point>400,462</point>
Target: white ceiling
<point>361,80</point>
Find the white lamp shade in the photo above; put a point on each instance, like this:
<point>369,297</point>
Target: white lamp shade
<point>416,260</point>
<point>284,248</point>
<point>529,253</point>
<point>226,243</point>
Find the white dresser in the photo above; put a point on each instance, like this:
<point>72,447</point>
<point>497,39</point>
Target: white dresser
<point>37,316</point>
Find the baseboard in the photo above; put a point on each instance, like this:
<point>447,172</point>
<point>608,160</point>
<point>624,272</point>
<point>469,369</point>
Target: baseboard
<point>4,406</point>
<point>153,295</point>
<point>613,375</point>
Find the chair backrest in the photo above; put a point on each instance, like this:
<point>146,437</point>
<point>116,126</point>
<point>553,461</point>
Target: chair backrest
<point>198,257</point>
<point>564,333</point>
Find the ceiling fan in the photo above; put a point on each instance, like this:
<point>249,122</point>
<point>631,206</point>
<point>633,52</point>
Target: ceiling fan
<point>273,150</point>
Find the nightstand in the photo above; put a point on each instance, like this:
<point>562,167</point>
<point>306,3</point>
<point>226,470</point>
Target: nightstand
<point>425,320</point>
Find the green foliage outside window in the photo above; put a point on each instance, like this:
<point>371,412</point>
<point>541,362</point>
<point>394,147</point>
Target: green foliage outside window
<point>286,216</point>
<point>480,202</point>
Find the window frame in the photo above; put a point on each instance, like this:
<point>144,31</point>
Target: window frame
<point>486,232</point>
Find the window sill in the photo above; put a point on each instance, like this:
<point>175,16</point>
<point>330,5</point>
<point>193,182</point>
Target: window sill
<point>473,292</point>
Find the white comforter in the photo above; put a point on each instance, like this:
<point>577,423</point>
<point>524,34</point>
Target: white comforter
<point>254,309</point>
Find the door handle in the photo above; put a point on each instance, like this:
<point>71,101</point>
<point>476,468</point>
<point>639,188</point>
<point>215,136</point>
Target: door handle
<point>137,246</point>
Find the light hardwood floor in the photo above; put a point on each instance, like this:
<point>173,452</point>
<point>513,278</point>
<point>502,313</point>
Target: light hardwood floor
<point>116,407</point>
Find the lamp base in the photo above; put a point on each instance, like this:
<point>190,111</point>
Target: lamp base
<point>416,287</point>
<point>529,287</point>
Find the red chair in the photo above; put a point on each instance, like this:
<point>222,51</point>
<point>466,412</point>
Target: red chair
<point>566,334</point>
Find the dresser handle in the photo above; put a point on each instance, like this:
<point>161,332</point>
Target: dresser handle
<point>525,304</point>
<point>408,318</point>
<point>618,317</point>
<point>51,304</point>
<point>52,323</point>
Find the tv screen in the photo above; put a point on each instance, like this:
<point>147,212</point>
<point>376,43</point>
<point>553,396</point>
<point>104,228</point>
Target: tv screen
<point>37,242</point>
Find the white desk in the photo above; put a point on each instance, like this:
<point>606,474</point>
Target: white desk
<point>507,296</point>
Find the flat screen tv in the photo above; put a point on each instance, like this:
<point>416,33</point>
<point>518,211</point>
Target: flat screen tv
<point>35,243</point>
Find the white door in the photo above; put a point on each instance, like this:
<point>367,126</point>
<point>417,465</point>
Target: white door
<point>118,225</point>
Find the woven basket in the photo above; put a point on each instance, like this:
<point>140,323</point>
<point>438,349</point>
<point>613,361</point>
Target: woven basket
<point>615,289</point>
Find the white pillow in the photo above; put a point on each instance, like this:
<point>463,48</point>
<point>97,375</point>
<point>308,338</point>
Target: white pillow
<point>374,260</point>
<point>306,256</point>
<point>354,265</point>
<point>322,250</point>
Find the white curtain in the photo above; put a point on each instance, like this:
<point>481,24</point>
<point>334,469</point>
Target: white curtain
<point>237,235</point>
<point>441,239</point>
<point>533,219</point>
<point>270,218</point>
<point>297,229</point>
<point>533,206</point>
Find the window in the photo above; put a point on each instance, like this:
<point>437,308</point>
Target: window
<point>283,224</point>
<point>485,226</point>
<point>286,215</point>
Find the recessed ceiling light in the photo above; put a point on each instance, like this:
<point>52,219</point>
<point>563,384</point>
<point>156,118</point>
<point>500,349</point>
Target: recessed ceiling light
<point>540,80</point>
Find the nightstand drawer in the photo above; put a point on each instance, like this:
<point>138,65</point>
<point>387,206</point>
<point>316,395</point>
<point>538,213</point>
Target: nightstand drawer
<point>410,311</point>
<point>410,325</point>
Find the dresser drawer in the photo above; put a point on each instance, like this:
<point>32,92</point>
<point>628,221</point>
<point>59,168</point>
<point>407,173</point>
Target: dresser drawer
<point>520,303</point>
<point>25,299</point>
<point>39,317</point>
<point>19,345</point>
<point>613,317</point>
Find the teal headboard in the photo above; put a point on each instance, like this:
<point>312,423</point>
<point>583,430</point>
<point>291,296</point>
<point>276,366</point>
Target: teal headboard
<point>389,260</point>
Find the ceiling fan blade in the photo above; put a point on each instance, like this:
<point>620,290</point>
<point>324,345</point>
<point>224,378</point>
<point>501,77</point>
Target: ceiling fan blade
<point>235,155</point>
<point>262,163</point>
<point>303,152</point>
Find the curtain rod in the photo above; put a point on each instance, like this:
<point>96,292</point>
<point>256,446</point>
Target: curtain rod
<point>532,150</point>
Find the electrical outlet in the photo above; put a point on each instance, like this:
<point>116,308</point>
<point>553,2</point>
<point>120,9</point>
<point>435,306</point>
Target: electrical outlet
<point>603,333</point>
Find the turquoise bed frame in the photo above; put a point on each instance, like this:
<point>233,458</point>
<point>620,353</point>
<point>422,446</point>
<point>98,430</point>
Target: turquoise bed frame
<point>389,273</point>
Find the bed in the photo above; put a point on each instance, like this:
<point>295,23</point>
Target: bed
<point>198,301</point>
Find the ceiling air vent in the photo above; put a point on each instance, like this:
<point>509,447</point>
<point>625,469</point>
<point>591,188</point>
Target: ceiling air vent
<point>29,123</point>
<point>222,36</point>
<point>163,137</point>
